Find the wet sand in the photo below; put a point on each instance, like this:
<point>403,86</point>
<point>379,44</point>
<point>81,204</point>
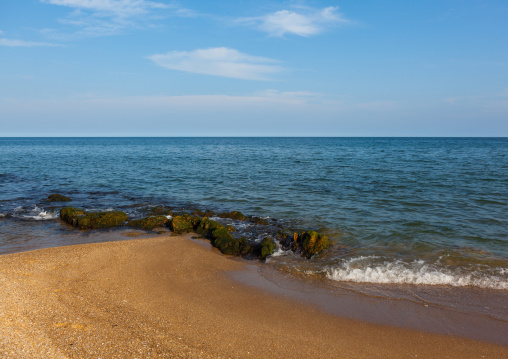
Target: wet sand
<point>172,297</point>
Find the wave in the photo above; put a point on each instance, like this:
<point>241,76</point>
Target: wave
<point>40,214</point>
<point>369,269</point>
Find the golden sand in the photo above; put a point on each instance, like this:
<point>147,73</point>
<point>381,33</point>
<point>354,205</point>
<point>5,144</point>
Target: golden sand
<point>169,297</point>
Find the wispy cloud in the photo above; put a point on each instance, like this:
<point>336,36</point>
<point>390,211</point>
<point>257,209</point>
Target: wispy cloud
<point>22,43</point>
<point>110,17</point>
<point>219,61</point>
<point>119,8</point>
<point>303,22</point>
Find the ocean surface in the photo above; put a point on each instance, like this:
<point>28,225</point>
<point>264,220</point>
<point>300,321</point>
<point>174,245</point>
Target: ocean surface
<point>419,213</point>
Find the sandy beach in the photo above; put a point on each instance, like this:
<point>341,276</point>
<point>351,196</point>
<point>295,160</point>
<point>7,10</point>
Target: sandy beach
<point>172,297</point>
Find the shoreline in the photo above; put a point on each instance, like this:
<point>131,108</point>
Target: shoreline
<point>169,296</point>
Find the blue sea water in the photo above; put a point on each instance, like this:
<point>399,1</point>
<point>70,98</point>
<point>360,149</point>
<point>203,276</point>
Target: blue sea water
<point>424,211</point>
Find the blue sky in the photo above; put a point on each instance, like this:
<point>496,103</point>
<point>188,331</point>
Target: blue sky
<point>253,68</point>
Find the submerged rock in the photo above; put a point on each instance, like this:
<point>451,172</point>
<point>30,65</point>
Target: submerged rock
<point>160,211</point>
<point>208,213</point>
<point>81,219</point>
<point>234,215</point>
<point>149,223</point>
<point>259,220</point>
<point>58,198</point>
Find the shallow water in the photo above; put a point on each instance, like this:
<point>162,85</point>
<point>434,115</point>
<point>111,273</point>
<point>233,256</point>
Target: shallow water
<point>419,211</point>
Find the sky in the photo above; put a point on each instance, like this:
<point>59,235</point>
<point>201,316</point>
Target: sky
<point>253,68</point>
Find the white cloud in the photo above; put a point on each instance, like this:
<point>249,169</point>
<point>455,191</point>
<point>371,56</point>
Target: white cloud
<point>219,61</point>
<point>21,43</point>
<point>305,23</point>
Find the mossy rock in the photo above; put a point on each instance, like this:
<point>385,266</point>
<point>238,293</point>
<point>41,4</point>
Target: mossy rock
<point>234,215</point>
<point>207,213</point>
<point>71,215</point>
<point>248,248</point>
<point>259,220</point>
<point>81,219</point>
<point>286,239</point>
<point>58,198</point>
<point>267,248</point>
<point>149,223</point>
<point>160,211</point>
<point>184,223</point>
<point>312,243</point>
<point>226,243</point>
<point>231,228</point>
<point>206,226</point>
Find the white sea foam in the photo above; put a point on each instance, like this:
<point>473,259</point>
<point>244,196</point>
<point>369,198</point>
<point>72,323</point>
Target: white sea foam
<point>2,215</point>
<point>371,270</point>
<point>169,216</point>
<point>41,215</point>
<point>279,252</point>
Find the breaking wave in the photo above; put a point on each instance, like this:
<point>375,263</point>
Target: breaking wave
<point>370,269</point>
<point>40,214</point>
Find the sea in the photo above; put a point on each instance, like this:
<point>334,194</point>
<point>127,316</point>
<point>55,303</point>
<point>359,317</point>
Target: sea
<point>409,218</point>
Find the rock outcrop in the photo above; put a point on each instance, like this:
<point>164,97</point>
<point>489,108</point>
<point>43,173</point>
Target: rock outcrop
<point>81,219</point>
<point>58,198</point>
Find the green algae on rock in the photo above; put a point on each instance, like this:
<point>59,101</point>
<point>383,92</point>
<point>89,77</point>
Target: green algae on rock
<point>207,213</point>
<point>219,235</point>
<point>206,226</point>
<point>312,243</point>
<point>259,220</point>
<point>239,216</point>
<point>226,243</point>
<point>308,243</point>
<point>267,248</point>
<point>58,198</point>
<point>81,219</point>
<point>184,223</point>
<point>149,223</point>
<point>160,211</point>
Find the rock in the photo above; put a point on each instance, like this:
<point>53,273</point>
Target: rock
<point>149,223</point>
<point>206,213</point>
<point>160,211</point>
<point>71,215</point>
<point>285,238</point>
<point>233,215</point>
<point>312,243</point>
<point>206,226</point>
<point>267,248</point>
<point>58,198</point>
<point>308,243</point>
<point>226,243</point>
<point>81,219</point>
<point>259,220</point>
<point>231,228</point>
<point>184,223</point>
